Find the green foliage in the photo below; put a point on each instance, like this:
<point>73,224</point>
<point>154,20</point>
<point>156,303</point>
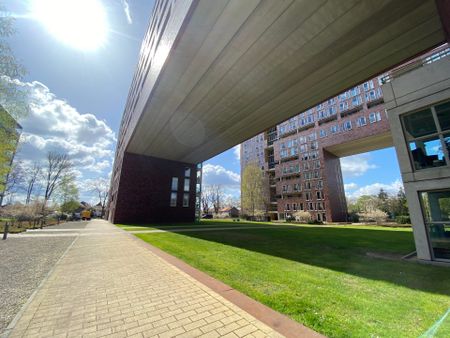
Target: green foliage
<point>254,192</point>
<point>13,97</point>
<point>69,206</point>
<point>403,220</point>
<point>393,206</point>
<point>67,189</point>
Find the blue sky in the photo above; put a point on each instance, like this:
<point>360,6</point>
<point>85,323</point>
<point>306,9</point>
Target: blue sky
<point>79,97</point>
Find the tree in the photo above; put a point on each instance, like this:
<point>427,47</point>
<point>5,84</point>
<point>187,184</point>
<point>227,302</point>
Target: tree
<point>70,206</point>
<point>67,190</point>
<point>101,188</point>
<point>57,168</point>
<point>400,204</point>
<point>12,181</point>
<point>216,197</point>
<point>302,216</point>
<point>13,100</point>
<point>254,194</point>
<point>30,179</point>
<point>206,199</point>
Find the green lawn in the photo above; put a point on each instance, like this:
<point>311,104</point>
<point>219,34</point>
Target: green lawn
<point>327,278</point>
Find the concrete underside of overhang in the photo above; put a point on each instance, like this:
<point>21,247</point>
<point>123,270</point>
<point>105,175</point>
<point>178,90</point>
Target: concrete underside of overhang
<point>239,67</point>
<point>362,145</point>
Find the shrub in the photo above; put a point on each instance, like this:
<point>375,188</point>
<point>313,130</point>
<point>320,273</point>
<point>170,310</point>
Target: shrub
<point>353,217</point>
<point>377,216</point>
<point>302,216</point>
<point>403,219</point>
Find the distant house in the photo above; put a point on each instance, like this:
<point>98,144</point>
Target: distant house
<point>229,212</point>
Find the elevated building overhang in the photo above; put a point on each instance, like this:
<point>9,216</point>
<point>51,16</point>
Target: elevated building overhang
<point>220,72</point>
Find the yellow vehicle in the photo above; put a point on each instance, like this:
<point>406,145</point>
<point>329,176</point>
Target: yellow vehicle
<point>86,215</point>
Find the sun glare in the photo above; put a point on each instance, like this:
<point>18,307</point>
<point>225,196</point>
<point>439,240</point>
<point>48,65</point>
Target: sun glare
<point>81,24</point>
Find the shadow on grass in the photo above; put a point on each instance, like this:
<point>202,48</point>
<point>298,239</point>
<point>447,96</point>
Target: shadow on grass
<point>348,250</point>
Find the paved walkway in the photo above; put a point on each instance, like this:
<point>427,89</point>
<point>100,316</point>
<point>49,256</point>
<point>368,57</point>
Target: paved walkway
<point>107,284</point>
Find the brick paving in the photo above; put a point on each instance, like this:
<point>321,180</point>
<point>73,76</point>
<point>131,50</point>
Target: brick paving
<point>110,286</point>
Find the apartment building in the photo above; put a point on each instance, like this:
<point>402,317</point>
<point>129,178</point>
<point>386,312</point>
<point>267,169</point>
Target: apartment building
<point>301,155</point>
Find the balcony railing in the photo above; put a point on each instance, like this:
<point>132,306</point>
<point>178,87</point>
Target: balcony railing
<point>430,57</point>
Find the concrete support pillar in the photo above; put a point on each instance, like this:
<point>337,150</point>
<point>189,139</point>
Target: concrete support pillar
<point>145,187</point>
<point>417,219</point>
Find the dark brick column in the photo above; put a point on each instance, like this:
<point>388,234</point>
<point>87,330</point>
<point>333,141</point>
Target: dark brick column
<point>144,189</point>
<point>443,7</point>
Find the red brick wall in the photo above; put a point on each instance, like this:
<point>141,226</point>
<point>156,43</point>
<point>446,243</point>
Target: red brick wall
<point>144,191</point>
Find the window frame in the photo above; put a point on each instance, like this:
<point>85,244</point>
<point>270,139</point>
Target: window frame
<point>439,134</point>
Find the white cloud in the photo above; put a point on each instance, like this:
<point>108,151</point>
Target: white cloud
<point>54,125</point>
<point>237,152</point>
<point>229,181</point>
<point>356,165</point>
<point>126,9</point>
<point>374,188</point>
<point>350,186</point>
<point>216,174</point>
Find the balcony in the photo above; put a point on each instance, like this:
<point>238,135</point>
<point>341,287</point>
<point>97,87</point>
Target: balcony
<point>289,158</point>
<point>352,110</point>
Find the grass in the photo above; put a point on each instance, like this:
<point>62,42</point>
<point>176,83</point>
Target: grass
<point>322,277</point>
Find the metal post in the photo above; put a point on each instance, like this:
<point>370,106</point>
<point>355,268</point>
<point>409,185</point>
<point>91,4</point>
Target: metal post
<point>5,231</point>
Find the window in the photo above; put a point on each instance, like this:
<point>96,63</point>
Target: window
<point>362,121</point>
<point>356,101</point>
<point>185,200</point>
<point>424,133</point>
<point>436,210</point>
<point>187,183</point>
<point>443,115</point>
<point>174,183</point>
<point>343,106</point>
<point>374,117</point>
<point>334,129</point>
<point>323,133</point>
<point>173,199</point>
<point>347,125</point>
<point>187,172</point>
<point>368,85</point>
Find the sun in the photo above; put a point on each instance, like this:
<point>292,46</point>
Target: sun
<point>81,24</point>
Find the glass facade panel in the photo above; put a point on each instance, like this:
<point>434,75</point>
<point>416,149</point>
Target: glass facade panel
<point>185,200</point>
<point>187,183</point>
<point>436,208</point>
<point>174,183</point>
<point>419,124</point>
<point>173,199</point>
<point>443,115</point>
<point>427,153</point>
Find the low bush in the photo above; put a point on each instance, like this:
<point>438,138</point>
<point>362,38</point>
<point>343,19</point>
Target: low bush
<point>403,220</point>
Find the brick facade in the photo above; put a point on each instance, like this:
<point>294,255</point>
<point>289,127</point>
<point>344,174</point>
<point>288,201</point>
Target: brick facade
<point>301,155</point>
<point>144,191</point>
